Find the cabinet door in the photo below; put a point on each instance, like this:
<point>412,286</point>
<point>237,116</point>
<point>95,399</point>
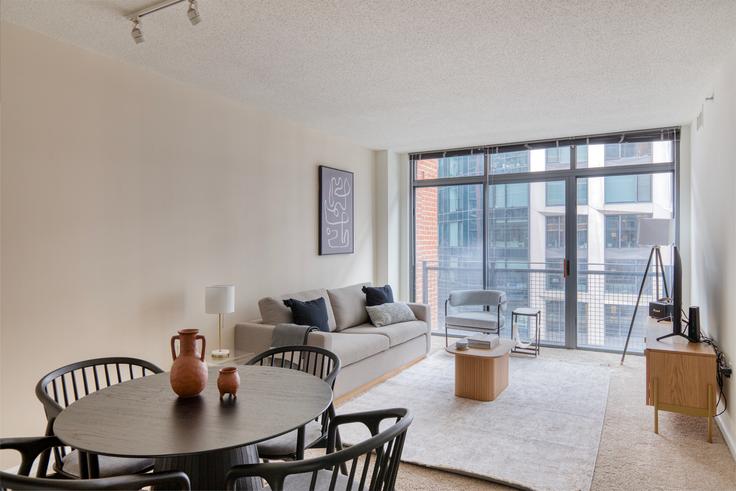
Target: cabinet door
<point>682,379</point>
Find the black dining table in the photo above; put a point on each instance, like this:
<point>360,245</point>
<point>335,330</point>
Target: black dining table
<point>202,436</point>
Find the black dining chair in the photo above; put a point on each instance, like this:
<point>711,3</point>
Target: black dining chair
<point>31,448</point>
<point>373,463</point>
<point>315,361</point>
<point>59,388</point>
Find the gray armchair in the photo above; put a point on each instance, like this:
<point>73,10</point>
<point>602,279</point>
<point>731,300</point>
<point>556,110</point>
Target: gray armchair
<point>490,319</point>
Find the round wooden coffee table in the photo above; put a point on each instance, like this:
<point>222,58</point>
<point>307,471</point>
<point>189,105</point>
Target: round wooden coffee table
<point>482,374</point>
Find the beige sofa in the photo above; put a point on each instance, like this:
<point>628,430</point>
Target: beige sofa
<point>366,352</point>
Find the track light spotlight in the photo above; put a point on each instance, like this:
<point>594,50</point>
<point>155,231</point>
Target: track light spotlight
<point>193,13</point>
<point>136,33</point>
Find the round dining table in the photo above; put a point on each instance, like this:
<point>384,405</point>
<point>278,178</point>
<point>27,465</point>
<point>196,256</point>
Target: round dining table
<point>203,435</point>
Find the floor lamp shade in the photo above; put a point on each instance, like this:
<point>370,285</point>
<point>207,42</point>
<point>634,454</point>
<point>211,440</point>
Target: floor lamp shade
<point>656,231</point>
<point>219,299</point>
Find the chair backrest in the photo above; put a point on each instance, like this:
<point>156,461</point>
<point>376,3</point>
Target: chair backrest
<point>59,388</point>
<point>313,360</point>
<point>378,457</point>
<point>31,448</point>
<point>460,298</point>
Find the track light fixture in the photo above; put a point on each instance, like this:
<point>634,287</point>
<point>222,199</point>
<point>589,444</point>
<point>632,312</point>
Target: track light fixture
<point>193,13</point>
<point>136,32</point>
<point>135,17</point>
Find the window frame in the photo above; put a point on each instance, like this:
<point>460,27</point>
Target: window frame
<point>573,174</point>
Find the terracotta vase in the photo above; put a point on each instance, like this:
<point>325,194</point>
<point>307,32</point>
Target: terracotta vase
<point>228,382</point>
<point>189,371</point>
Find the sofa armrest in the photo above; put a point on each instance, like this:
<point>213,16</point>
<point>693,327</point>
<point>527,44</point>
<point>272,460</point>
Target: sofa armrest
<point>256,337</point>
<point>253,336</point>
<point>320,339</point>
<point>422,313</point>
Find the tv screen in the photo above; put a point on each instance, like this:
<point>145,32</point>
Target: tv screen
<point>677,293</point>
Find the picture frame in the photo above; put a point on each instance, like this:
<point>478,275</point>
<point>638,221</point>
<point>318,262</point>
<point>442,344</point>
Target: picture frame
<point>336,211</point>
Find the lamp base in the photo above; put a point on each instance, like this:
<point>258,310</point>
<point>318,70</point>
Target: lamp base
<point>220,353</point>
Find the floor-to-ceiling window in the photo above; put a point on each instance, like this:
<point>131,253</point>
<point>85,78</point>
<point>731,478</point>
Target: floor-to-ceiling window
<point>553,224</point>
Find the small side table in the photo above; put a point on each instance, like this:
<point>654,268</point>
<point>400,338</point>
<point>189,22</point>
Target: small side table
<point>481,374</point>
<point>533,347</point>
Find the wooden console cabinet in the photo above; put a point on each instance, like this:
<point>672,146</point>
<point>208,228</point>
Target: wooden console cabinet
<point>681,376</point>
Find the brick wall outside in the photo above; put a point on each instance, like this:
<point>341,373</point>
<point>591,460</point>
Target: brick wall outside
<point>427,246</point>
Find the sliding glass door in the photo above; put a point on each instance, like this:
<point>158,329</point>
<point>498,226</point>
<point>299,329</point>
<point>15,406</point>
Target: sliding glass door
<point>526,251</point>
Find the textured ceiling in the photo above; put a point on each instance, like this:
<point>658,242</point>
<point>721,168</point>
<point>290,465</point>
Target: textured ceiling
<point>419,74</point>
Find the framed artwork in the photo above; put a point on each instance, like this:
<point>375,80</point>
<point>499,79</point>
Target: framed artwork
<point>336,211</point>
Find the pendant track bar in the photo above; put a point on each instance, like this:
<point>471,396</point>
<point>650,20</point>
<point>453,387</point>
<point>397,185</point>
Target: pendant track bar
<point>153,8</point>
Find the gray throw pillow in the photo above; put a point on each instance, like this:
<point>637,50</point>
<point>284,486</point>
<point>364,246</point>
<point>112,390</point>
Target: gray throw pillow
<point>390,313</point>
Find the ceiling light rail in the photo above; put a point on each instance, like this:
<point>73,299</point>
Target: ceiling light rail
<point>135,17</point>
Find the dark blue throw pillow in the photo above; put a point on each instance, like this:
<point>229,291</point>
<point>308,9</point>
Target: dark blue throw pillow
<point>378,295</point>
<point>309,313</point>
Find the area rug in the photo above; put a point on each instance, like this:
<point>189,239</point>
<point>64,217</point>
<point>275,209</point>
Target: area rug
<point>542,432</point>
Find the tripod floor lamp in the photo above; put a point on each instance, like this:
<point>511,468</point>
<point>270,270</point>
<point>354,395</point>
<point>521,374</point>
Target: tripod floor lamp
<point>654,232</point>
<point>220,300</point>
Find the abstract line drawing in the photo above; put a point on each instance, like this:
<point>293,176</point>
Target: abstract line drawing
<point>335,211</point>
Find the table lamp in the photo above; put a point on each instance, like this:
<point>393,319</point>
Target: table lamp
<point>220,300</point>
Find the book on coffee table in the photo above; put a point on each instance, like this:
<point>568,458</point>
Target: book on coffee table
<point>483,341</point>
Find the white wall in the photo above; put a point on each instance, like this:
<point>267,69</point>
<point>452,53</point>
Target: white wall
<point>713,221</point>
<point>387,220</point>
<point>125,193</point>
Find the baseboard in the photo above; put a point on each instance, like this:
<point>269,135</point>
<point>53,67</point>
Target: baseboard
<point>728,437</point>
<point>365,387</point>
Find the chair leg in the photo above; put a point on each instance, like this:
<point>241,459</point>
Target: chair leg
<point>300,443</point>
<point>43,463</point>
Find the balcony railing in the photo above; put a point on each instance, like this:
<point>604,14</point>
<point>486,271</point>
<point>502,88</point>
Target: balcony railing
<point>606,297</point>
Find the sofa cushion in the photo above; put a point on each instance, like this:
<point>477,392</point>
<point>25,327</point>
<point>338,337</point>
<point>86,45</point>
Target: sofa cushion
<point>388,314</point>
<point>309,313</point>
<point>273,310</point>
<point>477,320</point>
<point>395,333</point>
<point>352,348</point>
<point>348,305</point>
<point>378,295</point>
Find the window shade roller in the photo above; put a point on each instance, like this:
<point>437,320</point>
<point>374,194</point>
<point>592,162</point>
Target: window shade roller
<point>658,134</point>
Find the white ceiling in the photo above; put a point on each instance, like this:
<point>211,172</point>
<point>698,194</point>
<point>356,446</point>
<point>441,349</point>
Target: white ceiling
<point>420,74</point>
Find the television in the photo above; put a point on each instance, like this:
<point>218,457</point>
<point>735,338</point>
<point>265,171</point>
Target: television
<point>676,297</point>
<point>677,292</point>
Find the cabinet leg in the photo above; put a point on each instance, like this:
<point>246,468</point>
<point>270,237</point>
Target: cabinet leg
<point>655,398</point>
<point>710,413</point>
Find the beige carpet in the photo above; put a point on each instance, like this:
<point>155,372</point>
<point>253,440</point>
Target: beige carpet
<point>630,455</point>
<point>541,433</point>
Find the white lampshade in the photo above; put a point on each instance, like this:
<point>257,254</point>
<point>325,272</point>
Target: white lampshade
<point>219,299</point>
<point>656,231</point>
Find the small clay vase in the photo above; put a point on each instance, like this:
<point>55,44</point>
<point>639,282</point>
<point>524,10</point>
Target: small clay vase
<point>228,382</point>
<point>189,372</point>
